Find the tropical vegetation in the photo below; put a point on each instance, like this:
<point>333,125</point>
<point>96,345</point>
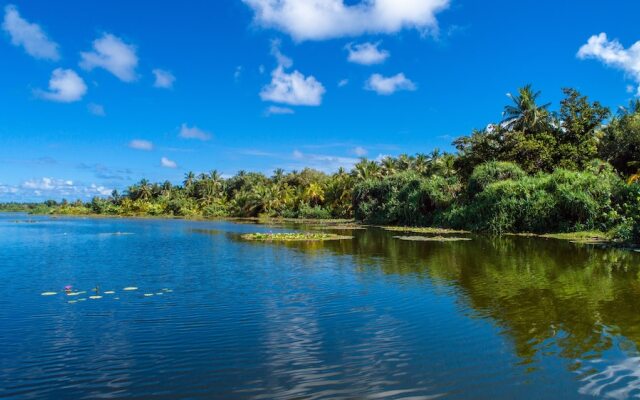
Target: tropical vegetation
<point>535,169</point>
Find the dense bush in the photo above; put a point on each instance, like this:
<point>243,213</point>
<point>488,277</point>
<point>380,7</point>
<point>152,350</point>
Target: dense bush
<point>406,198</point>
<point>558,202</point>
<point>490,172</point>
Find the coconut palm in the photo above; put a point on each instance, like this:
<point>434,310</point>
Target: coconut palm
<point>525,114</point>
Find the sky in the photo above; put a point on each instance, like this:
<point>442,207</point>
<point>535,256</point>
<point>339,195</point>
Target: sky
<point>95,95</point>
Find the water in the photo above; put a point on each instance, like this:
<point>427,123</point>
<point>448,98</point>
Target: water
<point>372,317</point>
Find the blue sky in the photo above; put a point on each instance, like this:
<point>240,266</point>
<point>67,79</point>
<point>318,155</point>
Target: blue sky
<point>96,95</point>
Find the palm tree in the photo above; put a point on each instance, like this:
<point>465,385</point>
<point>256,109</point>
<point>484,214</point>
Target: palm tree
<point>189,178</point>
<point>388,166</point>
<point>525,114</point>
<point>145,189</point>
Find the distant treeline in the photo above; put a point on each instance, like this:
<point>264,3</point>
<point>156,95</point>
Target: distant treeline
<point>535,170</point>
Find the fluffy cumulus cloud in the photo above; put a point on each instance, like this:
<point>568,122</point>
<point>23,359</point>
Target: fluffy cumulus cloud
<point>165,162</point>
<point>326,19</point>
<point>194,132</point>
<point>65,86</point>
<point>28,35</point>
<point>366,53</point>
<point>613,54</point>
<point>293,88</point>
<point>389,85</point>
<point>114,55</point>
<point>164,79</point>
<point>139,144</point>
<point>51,188</point>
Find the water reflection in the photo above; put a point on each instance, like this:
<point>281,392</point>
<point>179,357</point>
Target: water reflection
<point>549,297</point>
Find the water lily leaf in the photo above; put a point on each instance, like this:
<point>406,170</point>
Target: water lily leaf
<point>49,293</point>
<point>130,288</point>
<point>95,297</point>
<point>148,294</point>
<point>109,292</point>
<point>73,293</point>
<point>72,301</point>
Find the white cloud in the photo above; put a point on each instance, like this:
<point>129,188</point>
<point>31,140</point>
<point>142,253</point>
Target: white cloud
<point>194,133</point>
<point>140,144</point>
<point>237,73</point>
<point>28,35</point>
<point>326,19</point>
<point>96,109</point>
<point>65,86</point>
<point>51,188</point>
<point>366,53</point>
<point>343,83</point>
<point>613,54</point>
<point>114,55</point>
<point>297,154</point>
<point>293,88</point>
<point>275,110</point>
<point>164,79</point>
<point>280,58</point>
<point>360,151</point>
<point>389,85</point>
<point>165,162</point>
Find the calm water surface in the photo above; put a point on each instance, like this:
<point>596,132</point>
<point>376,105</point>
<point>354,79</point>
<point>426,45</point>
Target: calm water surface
<point>372,317</point>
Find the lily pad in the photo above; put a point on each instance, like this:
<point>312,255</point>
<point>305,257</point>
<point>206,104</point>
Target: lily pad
<point>72,301</point>
<point>148,294</point>
<point>109,292</point>
<point>49,293</point>
<point>95,297</point>
<point>73,293</point>
<point>130,288</point>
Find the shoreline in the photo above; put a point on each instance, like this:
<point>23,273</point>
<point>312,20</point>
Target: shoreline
<point>581,237</point>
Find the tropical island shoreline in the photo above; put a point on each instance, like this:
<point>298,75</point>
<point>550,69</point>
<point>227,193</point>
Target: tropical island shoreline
<point>571,173</point>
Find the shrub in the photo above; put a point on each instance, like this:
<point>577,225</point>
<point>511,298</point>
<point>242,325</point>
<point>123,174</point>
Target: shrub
<point>490,172</point>
<point>559,202</point>
<point>315,212</point>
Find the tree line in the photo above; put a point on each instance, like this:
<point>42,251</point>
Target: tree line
<point>534,170</point>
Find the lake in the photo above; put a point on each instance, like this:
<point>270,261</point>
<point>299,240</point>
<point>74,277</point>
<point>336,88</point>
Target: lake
<point>374,317</point>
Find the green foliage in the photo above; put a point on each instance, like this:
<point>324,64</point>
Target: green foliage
<point>535,170</point>
<point>563,201</point>
<point>490,172</point>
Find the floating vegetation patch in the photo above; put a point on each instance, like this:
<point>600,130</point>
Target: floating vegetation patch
<point>109,292</point>
<point>72,301</point>
<point>73,293</point>
<point>432,238</point>
<point>293,237</point>
<point>341,227</point>
<point>588,237</point>
<point>416,229</point>
<point>148,294</point>
<point>130,288</point>
<point>95,297</point>
<point>49,293</point>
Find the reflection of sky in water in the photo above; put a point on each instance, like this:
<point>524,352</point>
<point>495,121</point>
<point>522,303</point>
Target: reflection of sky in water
<point>371,317</point>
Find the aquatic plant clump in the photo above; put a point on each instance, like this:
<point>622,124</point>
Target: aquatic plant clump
<point>415,229</point>
<point>431,238</point>
<point>293,237</point>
